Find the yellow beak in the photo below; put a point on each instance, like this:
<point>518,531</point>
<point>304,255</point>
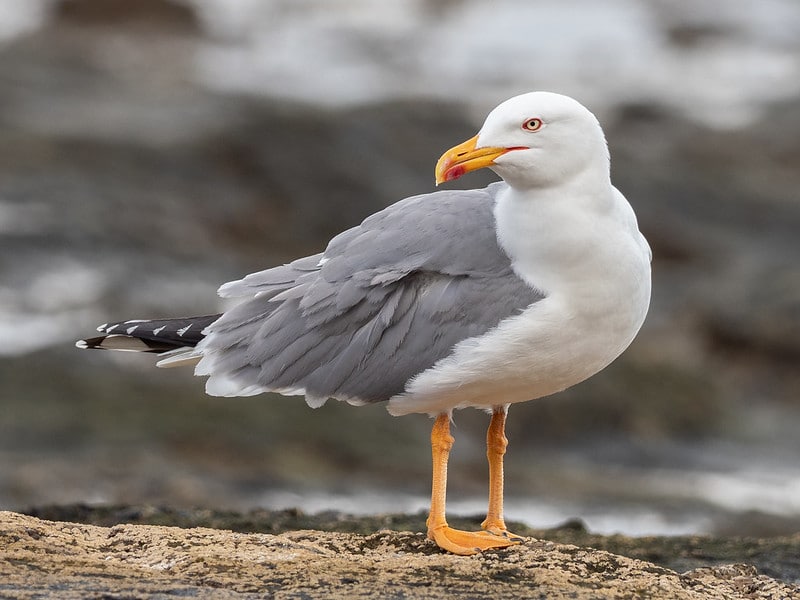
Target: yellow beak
<point>465,158</point>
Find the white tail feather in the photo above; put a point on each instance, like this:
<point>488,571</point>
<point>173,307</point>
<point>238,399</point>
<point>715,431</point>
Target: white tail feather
<point>180,357</point>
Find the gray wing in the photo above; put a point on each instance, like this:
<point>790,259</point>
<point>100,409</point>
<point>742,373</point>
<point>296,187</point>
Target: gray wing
<point>384,302</point>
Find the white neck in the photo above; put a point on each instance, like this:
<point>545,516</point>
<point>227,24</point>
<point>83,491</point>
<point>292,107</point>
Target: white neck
<point>551,234</point>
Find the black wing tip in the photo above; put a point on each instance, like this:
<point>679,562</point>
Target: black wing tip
<point>90,343</point>
<point>126,343</point>
<point>149,335</point>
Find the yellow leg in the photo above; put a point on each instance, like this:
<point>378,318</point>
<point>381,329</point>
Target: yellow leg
<point>496,443</point>
<point>441,442</point>
<point>447,538</point>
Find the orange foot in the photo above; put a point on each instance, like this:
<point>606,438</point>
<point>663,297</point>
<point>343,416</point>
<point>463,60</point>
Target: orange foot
<point>469,542</point>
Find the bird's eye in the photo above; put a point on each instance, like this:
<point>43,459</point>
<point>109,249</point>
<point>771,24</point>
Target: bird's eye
<point>532,125</point>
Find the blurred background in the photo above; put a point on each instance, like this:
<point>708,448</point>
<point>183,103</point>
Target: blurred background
<point>151,150</point>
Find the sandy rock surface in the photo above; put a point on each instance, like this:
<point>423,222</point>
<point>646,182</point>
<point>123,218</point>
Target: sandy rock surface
<point>41,558</point>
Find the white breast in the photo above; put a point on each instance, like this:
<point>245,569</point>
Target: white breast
<point>590,260</point>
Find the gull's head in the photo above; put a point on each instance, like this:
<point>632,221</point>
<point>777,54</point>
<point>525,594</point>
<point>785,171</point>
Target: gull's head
<point>532,140</point>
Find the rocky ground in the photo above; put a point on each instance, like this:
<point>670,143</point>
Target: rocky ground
<point>41,558</point>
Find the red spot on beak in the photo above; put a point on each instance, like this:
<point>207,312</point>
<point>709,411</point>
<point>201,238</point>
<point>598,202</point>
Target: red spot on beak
<point>454,172</point>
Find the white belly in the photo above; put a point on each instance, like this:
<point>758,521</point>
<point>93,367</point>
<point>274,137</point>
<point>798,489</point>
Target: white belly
<point>542,351</point>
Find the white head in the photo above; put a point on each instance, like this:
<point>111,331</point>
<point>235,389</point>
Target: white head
<point>532,140</point>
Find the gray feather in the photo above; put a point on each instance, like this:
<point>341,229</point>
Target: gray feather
<point>385,301</point>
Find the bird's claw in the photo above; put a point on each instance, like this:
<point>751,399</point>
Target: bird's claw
<point>469,542</point>
<point>504,533</point>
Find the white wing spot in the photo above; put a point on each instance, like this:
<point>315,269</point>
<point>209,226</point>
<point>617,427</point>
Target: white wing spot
<point>102,327</point>
<point>158,330</point>
<point>130,330</point>
<point>183,330</point>
<point>112,328</point>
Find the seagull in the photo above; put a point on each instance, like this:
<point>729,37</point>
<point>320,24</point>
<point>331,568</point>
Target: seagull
<point>458,298</point>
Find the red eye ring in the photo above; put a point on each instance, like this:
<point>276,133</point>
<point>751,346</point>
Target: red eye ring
<point>532,124</point>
